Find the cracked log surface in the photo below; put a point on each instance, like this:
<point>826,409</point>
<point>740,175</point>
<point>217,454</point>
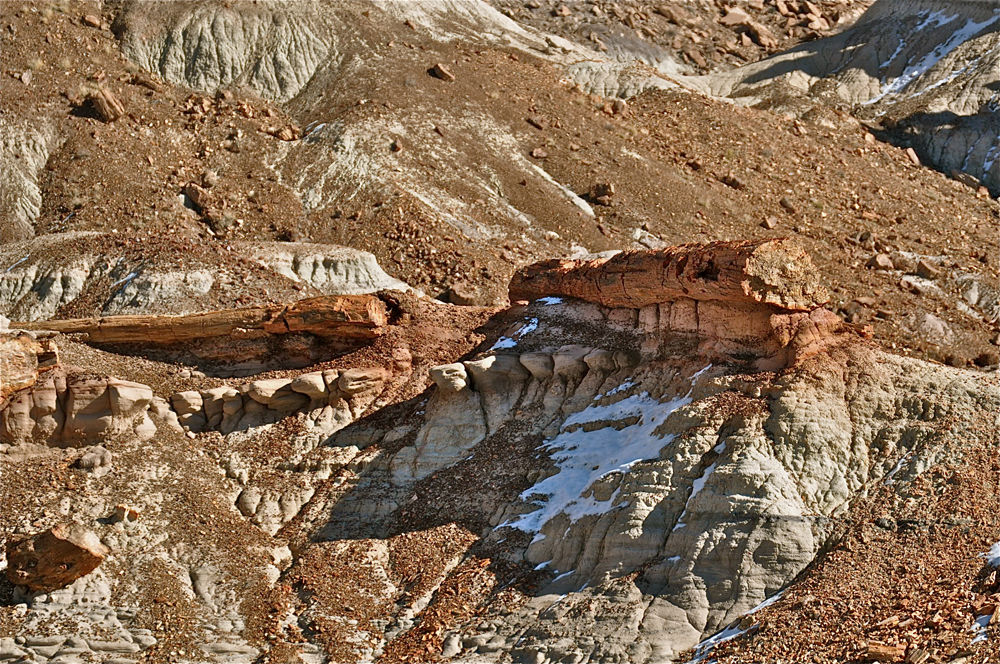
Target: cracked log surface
<point>353,316</point>
<point>775,272</point>
<point>54,558</point>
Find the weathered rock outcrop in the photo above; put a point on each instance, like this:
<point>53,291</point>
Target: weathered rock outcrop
<point>24,149</point>
<point>55,271</point>
<point>54,558</point>
<point>330,399</point>
<point>65,409</point>
<point>928,70</point>
<point>22,358</point>
<point>654,486</point>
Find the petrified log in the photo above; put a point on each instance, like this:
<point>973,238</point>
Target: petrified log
<point>54,558</point>
<point>359,316</point>
<point>21,359</point>
<point>774,272</point>
<point>353,316</point>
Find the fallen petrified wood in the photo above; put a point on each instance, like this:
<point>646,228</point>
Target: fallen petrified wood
<point>107,105</point>
<point>351,316</point>
<point>775,272</point>
<point>752,299</point>
<point>54,558</point>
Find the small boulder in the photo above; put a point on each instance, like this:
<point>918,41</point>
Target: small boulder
<point>108,107</point>
<point>263,391</point>
<point>450,377</point>
<point>735,16</point>
<point>441,72</point>
<point>539,365</point>
<point>355,381</point>
<point>186,403</point>
<point>927,270</point>
<point>881,262</point>
<point>310,384</point>
<point>96,460</point>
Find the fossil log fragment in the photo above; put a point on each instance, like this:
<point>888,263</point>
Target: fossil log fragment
<point>353,316</point>
<point>775,272</point>
<point>54,558</point>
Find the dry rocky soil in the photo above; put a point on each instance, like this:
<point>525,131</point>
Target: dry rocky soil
<point>316,340</point>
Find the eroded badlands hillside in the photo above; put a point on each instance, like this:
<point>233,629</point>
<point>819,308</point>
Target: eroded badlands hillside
<point>405,332</point>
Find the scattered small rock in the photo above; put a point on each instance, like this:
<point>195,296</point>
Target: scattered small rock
<point>107,105</point>
<point>881,262</point>
<point>730,180</point>
<point>396,146</point>
<point>885,523</point>
<point>125,513</point>
<point>990,358</point>
<point>538,122</point>
<point>619,107</point>
<point>96,460</point>
<point>789,206</point>
<point>911,154</point>
<point>881,652</point>
<point>92,21</point>
<point>965,179</point>
<point>441,72</point>
<point>289,133</point>
<point>927,271</point>
<point>539,153</point>
<point>735,16</point>
<point>933,329</point>
<point>770,223</point>
<point>198,195</point>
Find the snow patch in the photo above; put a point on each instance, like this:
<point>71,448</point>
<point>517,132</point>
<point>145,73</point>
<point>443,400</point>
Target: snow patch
<point>979,628</point>
<point>698,485</point>
<point>897,468</point>
<point>584,457</point>
<point>510,342</point>
<point>993,555</point>
<point>621,388</point>
<point>958,37</point>
<point>705,647</point>
<point>569,193</point>
<point>549,301</point>
<point>18,263</point>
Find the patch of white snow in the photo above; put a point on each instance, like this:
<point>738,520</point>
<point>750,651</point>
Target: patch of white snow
<point>583,457</point>
<point>993,555</point>
<point>958,37</point>
<point>569,193</point>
